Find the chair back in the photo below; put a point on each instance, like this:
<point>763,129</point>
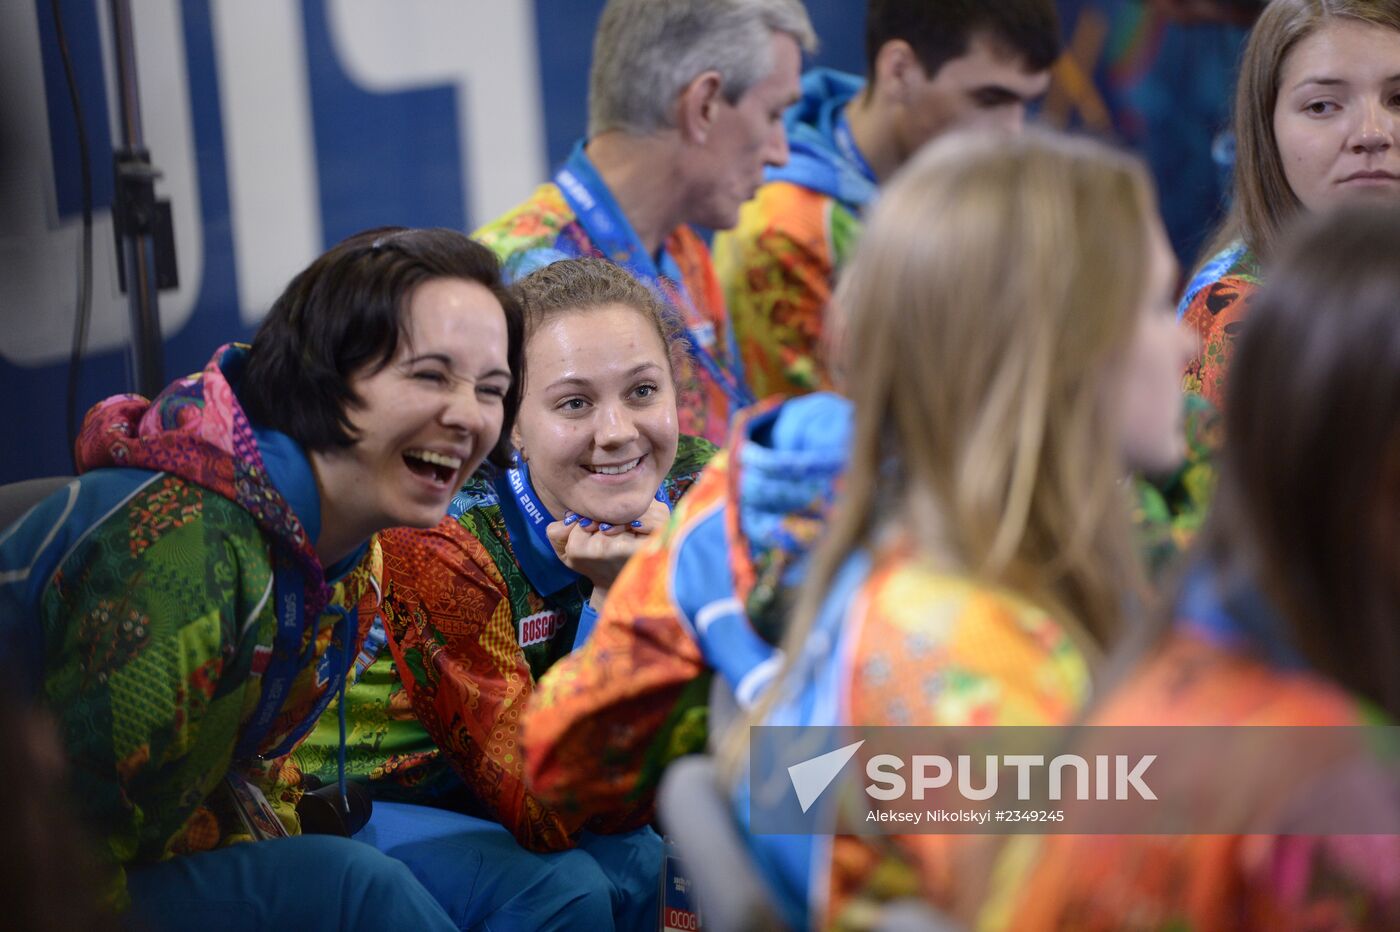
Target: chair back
<point>16,498</point>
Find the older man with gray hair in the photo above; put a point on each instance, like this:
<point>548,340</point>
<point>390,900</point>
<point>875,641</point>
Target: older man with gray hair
<point>686,100</point>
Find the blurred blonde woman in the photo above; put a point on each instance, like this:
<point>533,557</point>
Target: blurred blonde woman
<point>1009,365</point>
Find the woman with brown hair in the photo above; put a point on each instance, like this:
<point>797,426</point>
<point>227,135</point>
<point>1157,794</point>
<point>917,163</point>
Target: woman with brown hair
<point>1317,122</point>
<point>1287,619</point>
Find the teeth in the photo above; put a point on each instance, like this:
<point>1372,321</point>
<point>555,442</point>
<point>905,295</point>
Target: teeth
<point>616,470</point>
<point>437,459</point>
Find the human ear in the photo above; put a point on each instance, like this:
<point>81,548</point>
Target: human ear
<point>699,106</point>
<point>896,69</point>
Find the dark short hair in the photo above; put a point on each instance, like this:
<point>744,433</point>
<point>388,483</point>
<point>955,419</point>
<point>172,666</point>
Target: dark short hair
<point>585,284</point>
<point>1309,496</point>
<point>941,30</point>
<point>343,316</point>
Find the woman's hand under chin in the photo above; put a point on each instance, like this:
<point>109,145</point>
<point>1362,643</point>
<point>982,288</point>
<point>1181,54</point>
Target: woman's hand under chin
<point>598,552</point>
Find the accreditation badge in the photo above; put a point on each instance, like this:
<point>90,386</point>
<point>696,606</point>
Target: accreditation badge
<point>677,915</point>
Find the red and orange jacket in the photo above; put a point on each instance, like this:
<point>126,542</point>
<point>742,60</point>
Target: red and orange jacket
<point>700,598</point>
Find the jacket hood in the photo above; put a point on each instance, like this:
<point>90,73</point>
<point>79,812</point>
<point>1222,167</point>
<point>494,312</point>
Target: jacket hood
<point>815,161</point>
<point>1234,259</point>
<point>790,457</point>
<point>197,430</point>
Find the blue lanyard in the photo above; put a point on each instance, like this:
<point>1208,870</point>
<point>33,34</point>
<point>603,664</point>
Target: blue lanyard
<point>526,523</point>
<point>289,659</point>
<point>846,144</point>
<point>602,219</point>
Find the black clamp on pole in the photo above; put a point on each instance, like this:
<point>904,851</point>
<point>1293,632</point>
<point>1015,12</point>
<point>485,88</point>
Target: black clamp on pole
<point>142,224</point>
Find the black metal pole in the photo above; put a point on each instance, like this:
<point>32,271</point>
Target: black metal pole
<point>135,214</point>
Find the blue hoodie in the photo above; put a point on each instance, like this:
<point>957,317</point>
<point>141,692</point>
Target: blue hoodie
<point>819,157</point>
<point>788,464</point>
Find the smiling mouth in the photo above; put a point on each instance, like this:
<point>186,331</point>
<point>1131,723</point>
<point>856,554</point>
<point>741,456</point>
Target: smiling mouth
<point>438,467</point>
<point>618,470</point>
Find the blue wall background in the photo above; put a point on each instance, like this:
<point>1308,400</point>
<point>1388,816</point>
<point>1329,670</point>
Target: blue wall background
<point>396,158</point>
<point>409,138</point>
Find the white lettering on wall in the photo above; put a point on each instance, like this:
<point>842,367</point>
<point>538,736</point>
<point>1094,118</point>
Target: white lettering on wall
<point>270,147</point>
<point>486,49</point>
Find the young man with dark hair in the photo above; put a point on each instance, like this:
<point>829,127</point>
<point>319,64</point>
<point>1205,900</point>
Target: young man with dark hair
<point>930,67</point>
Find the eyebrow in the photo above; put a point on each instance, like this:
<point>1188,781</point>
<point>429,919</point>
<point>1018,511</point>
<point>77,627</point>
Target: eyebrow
<point>430,357</point>
<point>447,361</point>
<point>579,380</point>
<point>1332,82</point>
<point>996,90</point>
<point>1325,82</point>
<point>1000,93</point>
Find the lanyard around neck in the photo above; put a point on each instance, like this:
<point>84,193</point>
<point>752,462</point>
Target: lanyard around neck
<point>526,519</point>
<point>610,232</point>
<point>288,659</point>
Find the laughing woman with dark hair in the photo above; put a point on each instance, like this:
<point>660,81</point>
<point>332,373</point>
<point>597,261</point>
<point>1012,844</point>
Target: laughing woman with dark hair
<point>189,604</point>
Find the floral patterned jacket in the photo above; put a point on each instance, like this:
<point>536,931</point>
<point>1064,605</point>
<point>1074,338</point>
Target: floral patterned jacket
<point>779,264</point>
<point>473,615</point>
<point>151,584</point>
<point>1209,672</point>
<point>709,596</point>
<point>1215,305</point>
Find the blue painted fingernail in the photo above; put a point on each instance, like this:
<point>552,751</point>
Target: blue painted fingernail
<point>585,522</point>
<point>570,518</point>
<point>637,523</point>
<point>605,527</point>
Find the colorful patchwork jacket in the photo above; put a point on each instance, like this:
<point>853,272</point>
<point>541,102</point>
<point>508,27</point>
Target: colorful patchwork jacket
<point>1226,663</point>
<point>147,593</point>
<point>1215,304</point>
<point>575,215</point>
<point>778,265</point>
<point>898,642</point>
<point>475,611</point>
<point>708,595</point>
<point>1169,510</point>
